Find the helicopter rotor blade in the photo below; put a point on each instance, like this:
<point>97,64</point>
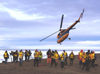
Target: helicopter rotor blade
<point>61,21</point>
<point>49,35</point>
<point>81,15</point>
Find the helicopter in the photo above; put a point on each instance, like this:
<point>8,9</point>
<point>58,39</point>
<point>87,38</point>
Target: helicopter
<point>64,33</point>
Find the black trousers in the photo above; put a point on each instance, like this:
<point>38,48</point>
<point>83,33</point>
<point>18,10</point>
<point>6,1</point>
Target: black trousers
<point>53,61</point>
<point>71,61</point>
<point>86,65</point>
<point>62,64</point>
<point>65,61</point>
<point>26,57</point>
<point>83,65</point>
<point>80,63</point>
<point>6,60</point>
<point>20,61</point>
<point>93,62</point>
<point>40,60</point>
<point>15,59</point>
<point>36,62</point>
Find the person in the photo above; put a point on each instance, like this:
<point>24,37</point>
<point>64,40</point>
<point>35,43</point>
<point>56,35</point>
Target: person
<point>52,58</point>
<point>88,60</point>
<point>26,55</point>
<point>92,58</point>
<point>6,56</point>
<point>62,60</point>
<point>88,52</point>
<point>65,57</point>
<point>71,58</point>
<point>56,57</point>
<point>21,57</point>
<point>40,56</point>
<point>83,59</point>
<point>29,54</point>
<point>80,57</point>
<point>11,55</point>
<point>49,56</point>
<point>36,58</point>
<point>15,56</point>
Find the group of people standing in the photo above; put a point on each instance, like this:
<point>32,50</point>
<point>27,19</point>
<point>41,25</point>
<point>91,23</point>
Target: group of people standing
<point>86,59</point>
<point>37,57</point>
<point>53,58</point>
<point>15,56</point>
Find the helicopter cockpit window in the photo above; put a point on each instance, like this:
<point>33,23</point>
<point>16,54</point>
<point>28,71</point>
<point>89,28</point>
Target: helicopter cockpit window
<point>62,31</point>
<point>58,34</point>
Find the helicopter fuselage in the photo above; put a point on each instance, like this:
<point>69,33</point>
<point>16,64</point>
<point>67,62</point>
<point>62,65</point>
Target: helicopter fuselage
<point>62,36</point>
<point>65,32</point>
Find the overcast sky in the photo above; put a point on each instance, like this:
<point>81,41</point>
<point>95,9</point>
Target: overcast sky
<point>24,22</point>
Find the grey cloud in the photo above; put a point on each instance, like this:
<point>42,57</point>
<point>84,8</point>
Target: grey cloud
<point>52,10</point>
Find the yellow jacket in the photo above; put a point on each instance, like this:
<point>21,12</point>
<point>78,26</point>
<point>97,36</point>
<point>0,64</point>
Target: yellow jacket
<point>56,56</point>
<point>80,55</point>
<point>71,56</point>
<point>65,53</point>
<point>36,54</point>
<point>83,60</point>
<point>84,56</point>
<point>92,56</point>
<point>20,55</point>
<point>40,54</point>
<point>62,57</point>
<point>5,54</point>
<point>15,55</point>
